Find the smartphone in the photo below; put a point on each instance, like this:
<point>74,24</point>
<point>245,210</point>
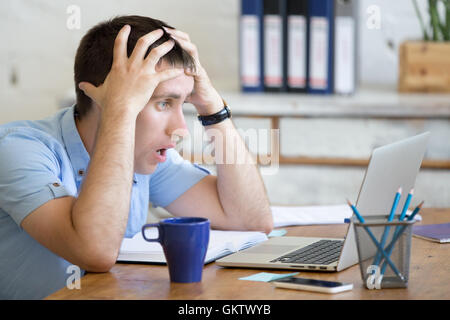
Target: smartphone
<point>312,285</point>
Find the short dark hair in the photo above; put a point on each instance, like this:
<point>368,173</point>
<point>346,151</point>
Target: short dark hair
<point>94,56</point>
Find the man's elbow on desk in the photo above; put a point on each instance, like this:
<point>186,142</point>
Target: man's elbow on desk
<point>268,224</point>
<point>263,220</point>
<point>99,262</point>
<point>263,223</point>
<point>245,221</point>
<point>267,227</point>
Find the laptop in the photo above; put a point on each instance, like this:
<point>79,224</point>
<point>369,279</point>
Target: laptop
<point>390,167</point>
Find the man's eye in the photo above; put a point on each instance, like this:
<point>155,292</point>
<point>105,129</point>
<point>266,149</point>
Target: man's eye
<point>162,105</point>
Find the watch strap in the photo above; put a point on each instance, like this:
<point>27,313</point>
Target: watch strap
<point>215,118</point>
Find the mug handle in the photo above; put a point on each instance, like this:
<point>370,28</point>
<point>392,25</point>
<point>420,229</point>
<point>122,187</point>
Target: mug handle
<point>152,225</point>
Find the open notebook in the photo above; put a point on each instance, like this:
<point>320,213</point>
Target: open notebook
<point>221,243</point>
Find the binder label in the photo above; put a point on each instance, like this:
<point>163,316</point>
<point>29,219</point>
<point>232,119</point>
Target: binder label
<point>273,63</point>
<point>250,57</point>
<point>344,75</point>
<point>296,51</point>
<point>319,53</point>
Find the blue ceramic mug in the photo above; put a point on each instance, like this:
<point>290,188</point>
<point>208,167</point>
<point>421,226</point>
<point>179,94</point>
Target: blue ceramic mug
<point>185,242</point>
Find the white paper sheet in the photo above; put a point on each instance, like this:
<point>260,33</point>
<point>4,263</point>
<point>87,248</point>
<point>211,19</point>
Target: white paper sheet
<point>311,215</point>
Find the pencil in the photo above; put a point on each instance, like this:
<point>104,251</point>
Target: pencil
<point>378,256</point>
<point>375,242</point>
<point>416,210</point>
<point>397,235</point>
<point>395,204</point>
<point>406,205</point>
<point>355,211</point>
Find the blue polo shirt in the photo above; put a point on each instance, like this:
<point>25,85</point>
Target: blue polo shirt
<point>44,160</point>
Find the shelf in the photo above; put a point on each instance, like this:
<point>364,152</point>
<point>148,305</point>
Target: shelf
<point>366,103</point>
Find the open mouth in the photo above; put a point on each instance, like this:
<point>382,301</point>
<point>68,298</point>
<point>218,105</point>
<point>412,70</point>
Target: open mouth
<point>162,152</point>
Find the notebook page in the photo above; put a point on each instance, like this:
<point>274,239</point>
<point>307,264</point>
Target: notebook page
<point>220,243</point>
<point>138,244</point>
<point>238,240</point>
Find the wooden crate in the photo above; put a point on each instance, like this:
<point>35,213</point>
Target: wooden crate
<point>424,67</point>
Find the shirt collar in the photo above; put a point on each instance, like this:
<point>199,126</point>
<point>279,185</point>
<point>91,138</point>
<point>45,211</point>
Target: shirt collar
<point>78,155</point>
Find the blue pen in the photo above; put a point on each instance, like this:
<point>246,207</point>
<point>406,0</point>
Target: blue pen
<point>377,259</point>
<point>374,240</point>
<point>397,235</point>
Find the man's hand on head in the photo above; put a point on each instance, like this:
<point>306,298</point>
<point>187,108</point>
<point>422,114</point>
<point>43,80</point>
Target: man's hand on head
<point>131,81</point>
<point>205,98</point>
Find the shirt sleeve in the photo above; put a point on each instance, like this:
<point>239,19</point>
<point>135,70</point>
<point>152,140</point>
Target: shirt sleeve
<point>172,178</point>
<point>29,175</point>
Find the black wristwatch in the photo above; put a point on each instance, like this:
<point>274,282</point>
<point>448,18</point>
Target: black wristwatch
<point>218,117</point>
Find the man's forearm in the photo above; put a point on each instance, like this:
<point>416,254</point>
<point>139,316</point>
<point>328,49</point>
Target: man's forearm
<point>240,188</point>
<point>100,213</point>
<point>239,183</point>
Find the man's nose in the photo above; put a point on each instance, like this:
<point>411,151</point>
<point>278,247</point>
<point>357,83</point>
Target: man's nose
<point>177,125</point>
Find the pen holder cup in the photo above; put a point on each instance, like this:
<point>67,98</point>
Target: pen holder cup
<point>383,251</point>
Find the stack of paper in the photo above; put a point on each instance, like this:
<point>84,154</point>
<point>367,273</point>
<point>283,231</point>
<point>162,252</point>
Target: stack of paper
<point>292,216</point>
<point>296,216</point>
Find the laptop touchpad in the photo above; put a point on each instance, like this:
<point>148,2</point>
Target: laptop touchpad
<point>273,248</point>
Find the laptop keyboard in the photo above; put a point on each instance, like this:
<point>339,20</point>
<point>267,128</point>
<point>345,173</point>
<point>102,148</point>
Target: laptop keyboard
<point>320,252</point>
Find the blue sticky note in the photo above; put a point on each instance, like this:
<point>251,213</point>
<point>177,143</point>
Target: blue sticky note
<point>277,233</point>
<point>266,276</point>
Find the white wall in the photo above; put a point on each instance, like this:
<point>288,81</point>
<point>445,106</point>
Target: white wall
<point>379,46</point>
<point>38,49</point>
<point>36,71</point>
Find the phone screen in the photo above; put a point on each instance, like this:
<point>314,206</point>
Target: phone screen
<point>312,282</point>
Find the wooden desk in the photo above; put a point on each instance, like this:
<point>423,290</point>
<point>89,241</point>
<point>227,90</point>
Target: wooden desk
<point>429,276</point>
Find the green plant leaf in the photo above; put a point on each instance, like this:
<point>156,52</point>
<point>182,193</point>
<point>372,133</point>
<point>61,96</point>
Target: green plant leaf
<point>447,17</point>
<point>434,18</point>
<point>426,37</point>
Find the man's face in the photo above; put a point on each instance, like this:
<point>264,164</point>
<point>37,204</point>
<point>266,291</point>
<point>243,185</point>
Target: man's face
<point>160,121</point>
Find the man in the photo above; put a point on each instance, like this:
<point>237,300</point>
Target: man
<point>73,185</point>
